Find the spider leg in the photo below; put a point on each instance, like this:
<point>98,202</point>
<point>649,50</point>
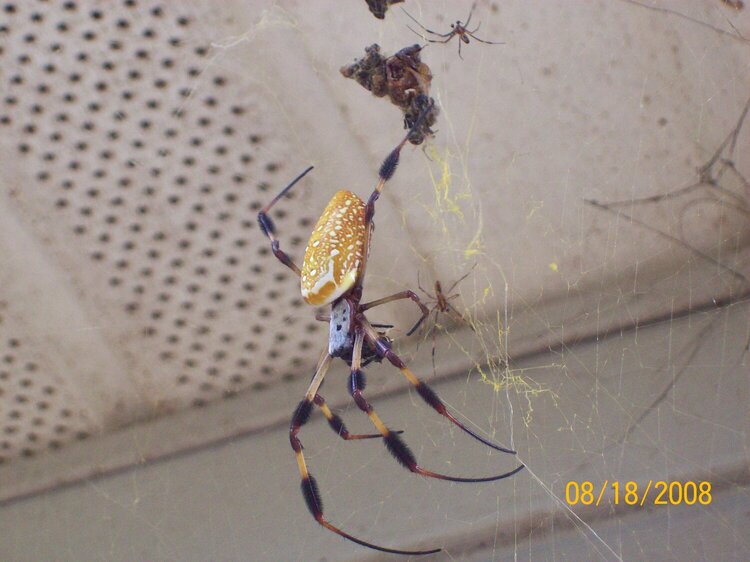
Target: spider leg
<point>430,330</point>
<point>449,34</point>
<point>400,296</point>
<point>434,335</point>
<point>424,391</point>
<point>323,317</point>
<point>415,32</point>
<point>473,31</point>
<point>459,317</point>
<point>471,13</point>
<point>431,325</point>
<point>428,295</point>
<point>457,281</point>
<point>393,442</point>
<point>269,229</point>
<point>337,424</point>
<point>450,309</point>
<point>309,485</point>
<point>387,169</point>
<point>444,41</point>
<point>418,323</point>
<point>483,40</point>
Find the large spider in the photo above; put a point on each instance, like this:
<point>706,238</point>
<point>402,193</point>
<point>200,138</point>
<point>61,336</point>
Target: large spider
<point>333,273</point>
<point>458,28</point>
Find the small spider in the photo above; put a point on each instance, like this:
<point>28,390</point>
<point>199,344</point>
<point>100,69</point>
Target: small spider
<point>333,273</point>
<point>439,303</point>
<point>460,29</point>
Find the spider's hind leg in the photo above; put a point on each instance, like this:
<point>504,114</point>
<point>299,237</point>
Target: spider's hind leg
<point>393,442</point>
<point>424,391</point>
<point>337,424</point>
<point>309,486</point>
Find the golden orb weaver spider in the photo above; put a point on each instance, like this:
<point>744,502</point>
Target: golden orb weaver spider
<point>333,273</point>
<point>459,29</point>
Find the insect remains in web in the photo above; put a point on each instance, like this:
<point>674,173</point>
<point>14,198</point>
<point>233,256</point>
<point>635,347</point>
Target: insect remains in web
<point>332,273</point>
<point>440,304</point>
<point>380,7</point>
<point>458,29</point>
<point>405,80</point>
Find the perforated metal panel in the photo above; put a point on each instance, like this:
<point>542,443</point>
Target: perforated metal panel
<point>137,168</point>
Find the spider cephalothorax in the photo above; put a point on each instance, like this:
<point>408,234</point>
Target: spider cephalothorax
<point>332,274</point>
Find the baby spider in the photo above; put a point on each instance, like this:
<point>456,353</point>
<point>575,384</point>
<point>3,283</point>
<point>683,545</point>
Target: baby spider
<point>439,303</point>
<point>458,28</point>
<point>332,273</point>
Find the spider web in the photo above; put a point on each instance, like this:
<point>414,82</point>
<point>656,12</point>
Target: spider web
<point>604,342</point>
<point>522,386</point>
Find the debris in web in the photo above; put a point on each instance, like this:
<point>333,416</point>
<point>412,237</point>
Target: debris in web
<point>380,7</point>
<point>404,79</point>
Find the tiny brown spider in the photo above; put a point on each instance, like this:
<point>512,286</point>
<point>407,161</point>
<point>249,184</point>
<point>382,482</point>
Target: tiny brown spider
<point>439,303</point>
<point>459,28</point>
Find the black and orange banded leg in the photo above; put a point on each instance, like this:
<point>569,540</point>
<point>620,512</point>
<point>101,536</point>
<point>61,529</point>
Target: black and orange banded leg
<point>387,169</point>
<point>269,228</point>
<point>309,486</point>
<point>299,418</point>
<point>393,442</point>
<point>337,424</point>
<point>383,348</point>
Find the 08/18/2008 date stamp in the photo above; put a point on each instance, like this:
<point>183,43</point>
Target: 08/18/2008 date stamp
<point>654,492</point>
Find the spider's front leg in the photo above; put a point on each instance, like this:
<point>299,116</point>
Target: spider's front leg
<point>269,228</point>
<point>388,168</point>
<point>424,391</point>
<point>400,296</point>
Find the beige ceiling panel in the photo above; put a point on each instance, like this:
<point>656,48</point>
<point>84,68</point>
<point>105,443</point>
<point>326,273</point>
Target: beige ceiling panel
<point>134,168</point>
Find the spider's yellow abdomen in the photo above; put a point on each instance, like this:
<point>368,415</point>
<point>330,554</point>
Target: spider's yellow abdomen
<point>335,253</point>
